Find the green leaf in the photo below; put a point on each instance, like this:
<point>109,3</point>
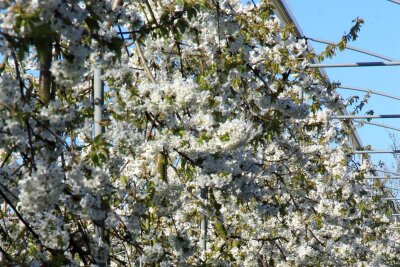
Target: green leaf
<point>204,138</point>
<point>274,67</point>
<point>124,179</point>
<point>220,229</point>
<point>162,164</point>
<point>179,131</point>
<point>225,137</point>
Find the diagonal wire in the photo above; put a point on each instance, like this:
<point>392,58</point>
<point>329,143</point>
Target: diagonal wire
<point>369,91</point>
<point>377,124</point>
<point>355,64</point>
<point>356,117</point>
<point>395,1</point>
<point>389,172</point>
<point>351,48</point>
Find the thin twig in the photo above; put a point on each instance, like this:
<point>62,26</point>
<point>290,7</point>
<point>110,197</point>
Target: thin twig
<point>144,62</point>
<point>27,225</point>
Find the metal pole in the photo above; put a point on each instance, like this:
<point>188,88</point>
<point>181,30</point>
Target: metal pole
<point>356,64</point>
<point>389,116</point>
<point>98,95</point>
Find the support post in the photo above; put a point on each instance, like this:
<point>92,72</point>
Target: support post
<point>98,95</point>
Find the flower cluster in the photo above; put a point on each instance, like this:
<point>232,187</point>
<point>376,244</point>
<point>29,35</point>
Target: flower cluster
<point>211,117</point>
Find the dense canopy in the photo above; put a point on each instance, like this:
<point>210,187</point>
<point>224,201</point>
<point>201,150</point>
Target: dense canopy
<point>210,112</point>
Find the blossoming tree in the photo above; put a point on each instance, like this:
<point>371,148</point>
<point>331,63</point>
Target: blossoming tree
<point>204,123</point>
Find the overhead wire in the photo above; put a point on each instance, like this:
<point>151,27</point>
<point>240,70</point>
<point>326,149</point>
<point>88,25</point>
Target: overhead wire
<point>377,124</point>
<point>355,64</point>
<point>368,91</point>
<point>348,47</point>
<point>395,1</point>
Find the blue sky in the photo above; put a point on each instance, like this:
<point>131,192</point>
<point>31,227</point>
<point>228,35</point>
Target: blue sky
<point>329,20</point>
